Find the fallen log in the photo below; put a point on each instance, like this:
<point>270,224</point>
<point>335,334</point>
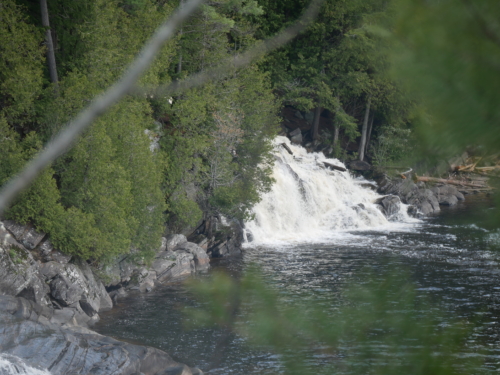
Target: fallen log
<point>333,166</point>
<point>285,146</point>
<point>450,182</point>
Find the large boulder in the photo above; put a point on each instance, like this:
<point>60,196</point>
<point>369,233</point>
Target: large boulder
<point>200,257</point>
<point>70,283</point>
<point>296,136</point>
<point>424,200</point>
<point>447,195</point>
<point>390,206</point>
<point>172,240</point>
<point>410,193</point>
<point>64,290</point>
<point>24,234</point>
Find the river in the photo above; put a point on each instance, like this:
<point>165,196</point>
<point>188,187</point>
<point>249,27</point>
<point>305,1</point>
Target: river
<point>451,258</point>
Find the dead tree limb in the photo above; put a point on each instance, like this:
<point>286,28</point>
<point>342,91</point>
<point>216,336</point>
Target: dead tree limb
<point>333,166</point>
<point>285,146</point>
<point>450,182</point>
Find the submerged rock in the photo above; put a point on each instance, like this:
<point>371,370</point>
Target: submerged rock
<point>447,195</point>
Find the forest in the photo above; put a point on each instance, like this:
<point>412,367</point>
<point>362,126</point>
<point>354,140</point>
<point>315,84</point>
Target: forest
<point>374,80</point>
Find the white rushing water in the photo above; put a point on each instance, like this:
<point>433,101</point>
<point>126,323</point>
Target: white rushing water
<point>10,365</point>
<point>310,202</point>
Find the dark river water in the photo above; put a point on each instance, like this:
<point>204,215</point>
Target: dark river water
<point>451,258</point>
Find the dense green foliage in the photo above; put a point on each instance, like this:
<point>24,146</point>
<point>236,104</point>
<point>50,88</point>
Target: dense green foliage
<point>154,161</point>
<point>150,161</point>
<point>341,63</point>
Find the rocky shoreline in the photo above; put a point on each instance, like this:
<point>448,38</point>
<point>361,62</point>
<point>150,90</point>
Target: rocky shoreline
<point>48,300</point>
<point>422,199</point>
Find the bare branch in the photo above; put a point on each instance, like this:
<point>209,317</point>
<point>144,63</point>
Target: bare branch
<point>99,106</point>
<point>238,61</point>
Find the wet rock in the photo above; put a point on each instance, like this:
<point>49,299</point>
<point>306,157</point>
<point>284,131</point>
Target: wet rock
<point>358,165</point>
<point>425,200</point>
<point>249,235</point>
<point>390,206</point>
<point>296,136</point>
<point>412,211</point>
<point>200,257</point>
<point>410,193</point>
<point>447,195</point>
<point>64,290</point>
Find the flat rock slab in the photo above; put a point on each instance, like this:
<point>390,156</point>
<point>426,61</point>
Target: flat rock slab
<point>63,350</point>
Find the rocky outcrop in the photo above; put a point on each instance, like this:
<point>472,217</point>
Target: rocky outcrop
<point>48,299</point>
<point>30,267</point>
<point>27,333</point>
<point>423,199</point>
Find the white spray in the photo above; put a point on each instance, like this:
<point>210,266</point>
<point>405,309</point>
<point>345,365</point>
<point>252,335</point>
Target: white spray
<point>310,202</point>
<point>10,365</point>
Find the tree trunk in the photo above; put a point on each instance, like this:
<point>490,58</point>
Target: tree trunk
<point>51,58</point>
<point>369,135</point>
<point>317,114</point>
<point>336,129</point>
<point>362,143</point>
<point>451,182</point>
<point>179,64</point>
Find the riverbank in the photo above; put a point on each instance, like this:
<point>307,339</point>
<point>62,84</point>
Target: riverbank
<point>48,300</point>
<point>446,255</point>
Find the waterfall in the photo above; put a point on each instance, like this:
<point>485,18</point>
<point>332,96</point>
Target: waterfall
<point>10,365</point>
<point>310,202</point>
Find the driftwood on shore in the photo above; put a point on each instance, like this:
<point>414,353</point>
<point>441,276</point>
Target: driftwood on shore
<point>285,146</point>
<point>451,182</point>
<point>333,166</point>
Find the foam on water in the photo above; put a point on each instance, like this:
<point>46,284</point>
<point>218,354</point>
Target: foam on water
<point>10,365</point>
<point>311,203</point>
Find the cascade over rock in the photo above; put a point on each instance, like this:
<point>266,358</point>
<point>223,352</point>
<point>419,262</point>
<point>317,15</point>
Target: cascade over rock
<point>309,201</point>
